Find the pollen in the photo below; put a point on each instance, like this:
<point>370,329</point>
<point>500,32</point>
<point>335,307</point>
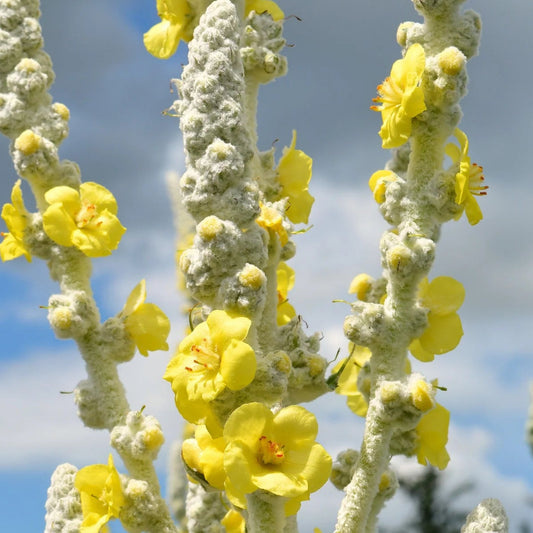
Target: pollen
<point>476,179</point>
<point>270,452</point>
<point>205,357</point>
<point>86,214</point>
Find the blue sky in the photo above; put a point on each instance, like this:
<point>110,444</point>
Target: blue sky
<point>116,93</point>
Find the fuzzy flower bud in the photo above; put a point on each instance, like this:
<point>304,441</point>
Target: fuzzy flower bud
<point>451,61</point>
<point>488,517</point>
<point>63,504</point>
<point>28,142</point>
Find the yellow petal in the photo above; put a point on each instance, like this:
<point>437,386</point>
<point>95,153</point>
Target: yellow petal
<point>442,334</point>
<point>238,461</point>
<point>11,248</point>
<point>58,224</point>
<point>135,299</point>
<point>432,431</point>
<point>233,522</point>
<point>97,194</point>
<point>260,6</point>
<point>444,295</point>
<point>149,328</point>
<point>68,197</point>
<point>16,198</point>
<point>223,328</point>
<point>357,404</point>
<point>314,465</point>
<point>472,210</point>
<point>285,313</point>
<point>280,483</point>
<point>212,463</point>
<point>247,423</point>
<point>162,40</point>
<point>294,173</point>
<point>238,365</point>
<point>294,426</point>
<point>422,355</point>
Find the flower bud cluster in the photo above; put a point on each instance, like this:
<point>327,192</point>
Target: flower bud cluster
<point>139,438</point>
<point>489,515</point>
<point>261,42</point>
<point>63,504</point>
<point>72,314</point>
<point>27,115</point>
<point>218,177</point>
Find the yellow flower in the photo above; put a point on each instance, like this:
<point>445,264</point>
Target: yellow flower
<point>468,180</point>
<point>212,357</point>
<point>276,453</point>
<point>294,174</point>
<point>16,219</point>
<point>101,495</point>
<point>260,6</point>
<point>432,431</point>
<point>147,325</point>
<point>272,221</point>
<point>233,522</point>
<point>347,381</point>
<point>85,219</point>
<point>442,297</point>
<point>162,39</point>
<point>378,183</point>
<point>285,276</point>
<point>205,455</point>
<point>401,97</point>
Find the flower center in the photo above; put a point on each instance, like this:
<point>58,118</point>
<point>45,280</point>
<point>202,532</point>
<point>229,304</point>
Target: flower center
<point>270,452</point>
<point>205,357</point>
<point>86,214</point>
<point>390,94</point>
<point>476,179</point>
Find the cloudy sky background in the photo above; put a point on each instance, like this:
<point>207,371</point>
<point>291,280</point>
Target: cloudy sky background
<point>116,92</point>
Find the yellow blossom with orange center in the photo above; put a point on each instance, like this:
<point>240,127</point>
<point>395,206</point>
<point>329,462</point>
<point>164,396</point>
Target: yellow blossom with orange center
<point>85,219</point>
<point>401,98</point>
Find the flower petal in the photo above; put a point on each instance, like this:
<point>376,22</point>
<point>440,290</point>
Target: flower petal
<point>238,365</point>
<point>162,40</point>
<point>444,295</point>
<point>260,6</point>
<point>247,424</point>
<point>280,483</point>
<point>295,426</point>
<point>149,328</point>
<point>11,248</point>
<point>223,328</point>
<point>422,355</point>
<point>313,464</point>
<point>135,299</point>
<point>97,194</point>
<point>442,334</point>
<point>433,434</point>
<point>238,462</point>
<point>58,224</point>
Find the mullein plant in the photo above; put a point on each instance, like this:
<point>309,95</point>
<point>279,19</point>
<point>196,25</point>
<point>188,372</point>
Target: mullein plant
<point>245,363</point>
